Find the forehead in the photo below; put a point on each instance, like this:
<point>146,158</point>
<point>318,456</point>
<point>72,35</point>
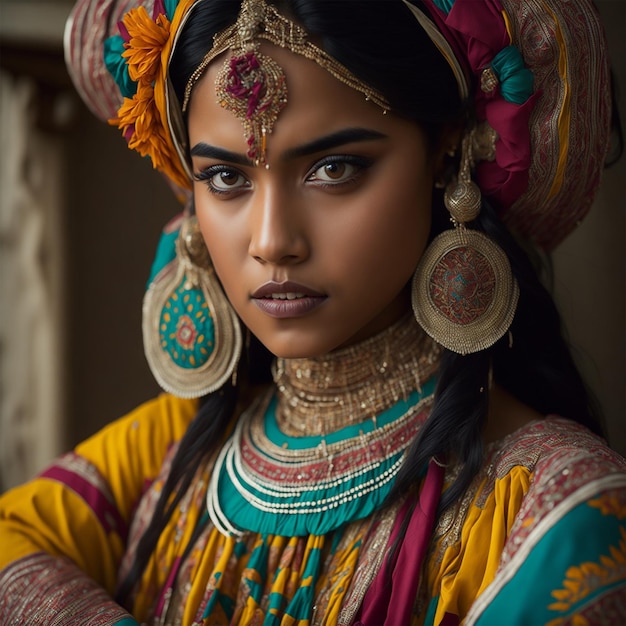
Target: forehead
<point>316,102</point>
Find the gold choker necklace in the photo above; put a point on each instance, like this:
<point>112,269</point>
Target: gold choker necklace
<point>324,394</point>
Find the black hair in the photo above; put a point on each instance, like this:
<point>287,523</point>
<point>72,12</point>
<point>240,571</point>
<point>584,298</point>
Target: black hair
<point>379,42</point>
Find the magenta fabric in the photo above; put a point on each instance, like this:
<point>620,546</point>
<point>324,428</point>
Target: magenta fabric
<point>477,33</point>
<point>386,604</point>
<point>74,472</point>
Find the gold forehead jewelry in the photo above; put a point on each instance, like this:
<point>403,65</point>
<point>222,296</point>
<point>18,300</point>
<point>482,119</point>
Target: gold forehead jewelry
<point>251,84</point>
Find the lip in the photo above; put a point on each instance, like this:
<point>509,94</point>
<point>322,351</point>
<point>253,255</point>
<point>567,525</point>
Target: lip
<point>288,299</point>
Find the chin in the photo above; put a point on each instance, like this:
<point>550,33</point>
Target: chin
<point>295,352</point>
<point>298,346</point>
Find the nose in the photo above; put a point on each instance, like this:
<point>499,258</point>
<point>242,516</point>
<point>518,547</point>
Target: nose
<point>277,229</point>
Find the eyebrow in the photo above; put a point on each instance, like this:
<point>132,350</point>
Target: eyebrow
<point>202,149</point>
<point>334,140</point>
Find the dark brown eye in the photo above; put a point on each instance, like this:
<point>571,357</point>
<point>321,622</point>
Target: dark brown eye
<point>227,180</point>
<point>334,171</point>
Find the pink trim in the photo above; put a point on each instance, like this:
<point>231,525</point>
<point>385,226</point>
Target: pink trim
<point>169,585</point>
<point>106,512</point>
<point>404,573</point>
<point>159,9</point>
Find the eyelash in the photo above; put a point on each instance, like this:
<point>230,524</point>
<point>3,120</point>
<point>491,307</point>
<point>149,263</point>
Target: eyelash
<point>359,162</point>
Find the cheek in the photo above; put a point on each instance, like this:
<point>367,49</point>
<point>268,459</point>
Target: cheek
<point>387,241</point>
<point>222,236</point>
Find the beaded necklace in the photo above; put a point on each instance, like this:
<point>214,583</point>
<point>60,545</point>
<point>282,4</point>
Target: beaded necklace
<point>324,446</point>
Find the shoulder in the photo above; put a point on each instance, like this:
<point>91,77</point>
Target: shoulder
<point>553,446</point>
<point>563,466</point>
<point>569,467</point>
<point>164,416</point>
<point>568,530</point>
<point>562,459</point>
<point>546,461</point>
<point>142,437</point>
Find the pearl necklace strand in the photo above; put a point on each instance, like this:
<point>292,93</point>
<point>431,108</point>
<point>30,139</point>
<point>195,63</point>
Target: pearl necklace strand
<point>315,397</point>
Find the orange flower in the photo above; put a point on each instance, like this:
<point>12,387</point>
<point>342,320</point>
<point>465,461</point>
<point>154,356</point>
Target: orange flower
<point>139,117</point>
<point>139,120</point>
<point>147,38</point>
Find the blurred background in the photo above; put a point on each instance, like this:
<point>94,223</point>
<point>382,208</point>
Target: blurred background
<point>80,216</point>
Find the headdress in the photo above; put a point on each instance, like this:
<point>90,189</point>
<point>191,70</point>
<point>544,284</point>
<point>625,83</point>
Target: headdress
<point>253,85</point>
<point>541,98</point>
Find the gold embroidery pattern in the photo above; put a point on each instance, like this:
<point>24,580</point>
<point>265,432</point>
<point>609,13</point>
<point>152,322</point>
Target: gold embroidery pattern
<point>562,457</point>
<point>526,448</point>
<point>586,578</point>
<point>43,589</point>
<point>569,458</point>
<point>611,502</point>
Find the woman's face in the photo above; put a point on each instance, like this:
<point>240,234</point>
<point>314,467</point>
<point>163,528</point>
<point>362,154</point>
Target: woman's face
<point>316,252</point>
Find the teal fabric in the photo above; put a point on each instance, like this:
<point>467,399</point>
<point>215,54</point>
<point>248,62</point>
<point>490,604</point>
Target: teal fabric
<point>429,620</point>
<point>247,517</point>
<point>166,253</point>
<point>213,600</point>
<point>258,564</point>
<point>116,64</point>
<point>127,621</point>
<point>170,7</point>
<point>217,598</point>
<point>186,328</point>
<point>516,80</point>
<point>444,5</point>
<point>301,604</point>
<point>556,572</point>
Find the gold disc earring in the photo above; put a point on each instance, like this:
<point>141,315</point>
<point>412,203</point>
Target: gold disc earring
<point>192,336</point>
<point>464,294</point>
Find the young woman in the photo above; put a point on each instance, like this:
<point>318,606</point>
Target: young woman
<point>372,416</point>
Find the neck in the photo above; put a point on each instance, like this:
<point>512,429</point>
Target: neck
<point>319,395</point>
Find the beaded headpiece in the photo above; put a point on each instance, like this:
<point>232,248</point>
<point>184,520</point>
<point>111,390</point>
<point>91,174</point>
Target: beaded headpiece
<point>251,84</point>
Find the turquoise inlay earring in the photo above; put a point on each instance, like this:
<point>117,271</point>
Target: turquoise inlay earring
<point>192,337</point>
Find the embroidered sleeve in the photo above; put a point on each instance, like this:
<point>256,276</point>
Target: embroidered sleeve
<point>40,589</point>
<point>565,559</point>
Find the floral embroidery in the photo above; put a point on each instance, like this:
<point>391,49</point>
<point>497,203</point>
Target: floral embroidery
<point>611,503</point>
<point>582,580</point>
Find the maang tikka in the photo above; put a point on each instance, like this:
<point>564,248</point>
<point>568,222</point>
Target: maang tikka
<point>192,336</point>
<point>251,84</point>
<point>464,294</point>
